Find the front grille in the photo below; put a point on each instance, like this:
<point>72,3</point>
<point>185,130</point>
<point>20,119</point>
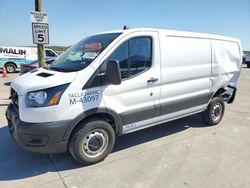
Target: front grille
<point>14,97</point>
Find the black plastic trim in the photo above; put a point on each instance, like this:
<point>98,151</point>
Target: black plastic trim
<point>95,111</point>
<point>170,107</point>
<point>44,74</point>
<point>51,132</point>
<point>232,96</point>
<point>96,80</point>
<point>138,115</point>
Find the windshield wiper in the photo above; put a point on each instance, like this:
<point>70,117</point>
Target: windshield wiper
<point>58,69</point>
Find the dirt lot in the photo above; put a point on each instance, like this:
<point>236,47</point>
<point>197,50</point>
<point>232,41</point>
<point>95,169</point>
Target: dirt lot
<point>182,153</point>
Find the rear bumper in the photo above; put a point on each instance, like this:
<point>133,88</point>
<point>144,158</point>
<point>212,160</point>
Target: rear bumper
<point>229,94</point>
<point>37,137</point>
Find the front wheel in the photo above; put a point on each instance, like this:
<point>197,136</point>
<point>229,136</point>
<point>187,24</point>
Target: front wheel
<point>214,112</point>
<point>92,141</point>
<point>10,68</point>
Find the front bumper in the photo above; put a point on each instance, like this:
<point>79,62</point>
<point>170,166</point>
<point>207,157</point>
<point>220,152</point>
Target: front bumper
<point>37,137</point>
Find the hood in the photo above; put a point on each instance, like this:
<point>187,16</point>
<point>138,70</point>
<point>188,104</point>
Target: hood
<point>41,79</point>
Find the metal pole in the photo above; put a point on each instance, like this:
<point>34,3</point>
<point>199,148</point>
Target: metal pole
<point>40,47</point>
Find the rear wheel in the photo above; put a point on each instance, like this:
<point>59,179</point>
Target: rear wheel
<point>92,141</point>
<point>10,67</point>
<point>214,112</point>
<point>248,65</point>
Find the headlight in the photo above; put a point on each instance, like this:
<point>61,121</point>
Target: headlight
<point>38,97</point>
<point>46,97</point>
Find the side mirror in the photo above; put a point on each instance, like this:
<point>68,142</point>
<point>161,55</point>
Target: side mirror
<point>112,73</point>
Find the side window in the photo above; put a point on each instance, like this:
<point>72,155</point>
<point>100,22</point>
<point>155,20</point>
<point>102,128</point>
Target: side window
<point>122,55</point>
<point>134,56</point>
<point>140,55</point>
<point>49,53</point>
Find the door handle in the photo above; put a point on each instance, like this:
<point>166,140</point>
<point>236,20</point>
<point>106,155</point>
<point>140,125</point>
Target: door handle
<point>151,80</point>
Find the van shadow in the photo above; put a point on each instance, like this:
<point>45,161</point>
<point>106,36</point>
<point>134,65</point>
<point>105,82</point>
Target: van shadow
<point>16,163</point>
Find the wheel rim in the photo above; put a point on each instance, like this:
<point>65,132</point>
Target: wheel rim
<point>95,143</point>
<point>216,112</point>
<point>10,68</point>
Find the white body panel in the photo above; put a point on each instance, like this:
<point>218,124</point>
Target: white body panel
<point>188,67</point>
<point>226,56</point>
<point>44,114</point>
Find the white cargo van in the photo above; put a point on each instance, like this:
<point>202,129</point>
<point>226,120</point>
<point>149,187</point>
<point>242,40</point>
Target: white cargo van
<point>11,57</point>
<point>118,82</point>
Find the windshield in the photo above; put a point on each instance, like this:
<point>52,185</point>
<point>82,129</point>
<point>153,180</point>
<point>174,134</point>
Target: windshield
<point>80,55</point>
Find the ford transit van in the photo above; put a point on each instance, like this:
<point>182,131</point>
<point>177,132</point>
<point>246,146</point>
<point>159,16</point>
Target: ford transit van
<point>118,82</point>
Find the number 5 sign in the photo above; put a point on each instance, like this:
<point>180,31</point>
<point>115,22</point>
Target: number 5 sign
<point>40,33</point>
<point>40,27</point>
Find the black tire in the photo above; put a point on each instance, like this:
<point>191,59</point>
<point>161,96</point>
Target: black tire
<point>10,67</point>
<point>248,65</point>
<point>214,112</point>
<point>86,139</point>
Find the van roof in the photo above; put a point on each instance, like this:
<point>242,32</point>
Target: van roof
<point>176,33</point>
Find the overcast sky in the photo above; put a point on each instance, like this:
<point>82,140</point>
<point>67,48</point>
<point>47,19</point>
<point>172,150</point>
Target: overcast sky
<point>71,20</point>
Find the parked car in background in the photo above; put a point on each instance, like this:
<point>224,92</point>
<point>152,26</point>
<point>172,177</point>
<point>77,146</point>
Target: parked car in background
<point>11,57</point>
<point>243,58</point>
<point>59,52</point>
<point>27,67</point>
<point>247,60</point>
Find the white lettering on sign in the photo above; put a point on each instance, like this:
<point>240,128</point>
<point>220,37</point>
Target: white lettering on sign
<point>40,33</point>
<point>38,17</point>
